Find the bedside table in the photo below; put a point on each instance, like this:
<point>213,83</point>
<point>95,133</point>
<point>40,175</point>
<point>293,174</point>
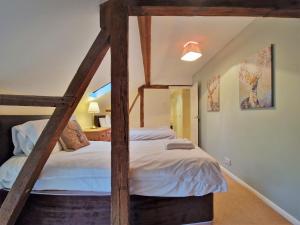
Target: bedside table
<point>98,134</point>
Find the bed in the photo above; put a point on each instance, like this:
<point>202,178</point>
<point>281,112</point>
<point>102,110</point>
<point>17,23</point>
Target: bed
<point>141,134</point>
<point>146,134</point>
<point>153,201</point>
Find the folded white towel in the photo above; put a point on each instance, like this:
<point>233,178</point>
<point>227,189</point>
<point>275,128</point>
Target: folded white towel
<point>180,144</point>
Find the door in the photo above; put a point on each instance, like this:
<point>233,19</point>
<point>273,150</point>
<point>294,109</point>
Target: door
<point>194,113</point>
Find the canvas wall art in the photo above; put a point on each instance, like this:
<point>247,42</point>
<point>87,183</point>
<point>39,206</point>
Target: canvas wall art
<point>256,80</point>
<point>213,94</point>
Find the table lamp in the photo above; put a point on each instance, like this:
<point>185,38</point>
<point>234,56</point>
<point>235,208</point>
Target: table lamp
<point>93,109</point>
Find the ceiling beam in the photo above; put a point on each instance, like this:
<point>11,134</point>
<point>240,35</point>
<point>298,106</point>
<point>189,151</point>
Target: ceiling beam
<point>157,86</point>
<point>145,36</point>
<point>253,8</point>
<point>164,86</point>
<point>30,100</point>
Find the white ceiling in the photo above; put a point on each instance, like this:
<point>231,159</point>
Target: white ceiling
<point>43,42</point>
<point>171,33</point>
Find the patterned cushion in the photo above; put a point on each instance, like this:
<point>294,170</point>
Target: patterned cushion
<point>72,137</point>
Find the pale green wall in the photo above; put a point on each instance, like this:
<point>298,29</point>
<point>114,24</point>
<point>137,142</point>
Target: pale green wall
<point>264,145</point>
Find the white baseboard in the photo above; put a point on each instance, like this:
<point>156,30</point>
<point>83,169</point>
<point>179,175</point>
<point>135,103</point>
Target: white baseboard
<point>267,201</point>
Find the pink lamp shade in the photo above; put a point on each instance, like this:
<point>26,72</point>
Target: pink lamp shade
<point>191,51</point>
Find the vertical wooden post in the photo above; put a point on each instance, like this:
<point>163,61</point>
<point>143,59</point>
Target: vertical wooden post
<point>142,113</point>
<point>120,114</point>
<point>145,37</point>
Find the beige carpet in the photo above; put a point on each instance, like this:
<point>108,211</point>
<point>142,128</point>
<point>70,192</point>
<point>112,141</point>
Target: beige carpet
<point>241,207</point>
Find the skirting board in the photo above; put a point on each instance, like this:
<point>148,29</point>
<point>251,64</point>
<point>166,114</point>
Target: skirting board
<point>267,201</point>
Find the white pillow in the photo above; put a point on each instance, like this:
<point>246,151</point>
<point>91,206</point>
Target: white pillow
<point>104,122</point>
<point>25,136</point>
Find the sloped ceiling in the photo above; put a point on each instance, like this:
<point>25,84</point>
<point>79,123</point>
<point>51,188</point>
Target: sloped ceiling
<point>43,42</point>
<point>171,33</point>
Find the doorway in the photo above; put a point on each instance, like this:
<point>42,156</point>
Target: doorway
<point>181,112</point>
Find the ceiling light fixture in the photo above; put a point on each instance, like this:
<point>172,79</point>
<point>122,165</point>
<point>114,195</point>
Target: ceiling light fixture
<point>191,51</point>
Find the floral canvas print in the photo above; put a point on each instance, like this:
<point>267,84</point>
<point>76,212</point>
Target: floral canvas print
<point>256,81</point>
<point>213,94</point>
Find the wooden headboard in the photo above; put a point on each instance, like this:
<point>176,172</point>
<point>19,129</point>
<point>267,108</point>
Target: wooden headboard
<point>6,123</point>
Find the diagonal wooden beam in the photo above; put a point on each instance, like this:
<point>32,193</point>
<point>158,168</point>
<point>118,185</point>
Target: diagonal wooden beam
<point>269,8</point>
<point>119,114</point>
<point>134,101</point>
<point>16,199</point>
<point>145,37</point>
<point>142,107</point>
<point>30,100</point>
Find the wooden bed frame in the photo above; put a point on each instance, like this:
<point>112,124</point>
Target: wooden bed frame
<point>43,209</point>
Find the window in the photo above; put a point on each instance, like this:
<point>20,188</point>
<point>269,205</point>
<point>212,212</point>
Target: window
<point>101,91</point>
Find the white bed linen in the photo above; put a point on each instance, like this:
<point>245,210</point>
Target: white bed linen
<point>143,134</point>
<point>153,171</point>
<point>25,136</point>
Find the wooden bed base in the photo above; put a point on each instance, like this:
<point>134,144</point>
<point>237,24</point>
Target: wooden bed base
<point>43,209</point>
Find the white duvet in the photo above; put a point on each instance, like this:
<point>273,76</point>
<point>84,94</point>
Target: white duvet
<point>154,171</point>
<point>143,134</point>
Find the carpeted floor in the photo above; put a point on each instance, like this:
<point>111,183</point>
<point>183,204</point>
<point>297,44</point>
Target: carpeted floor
<point>241,207</point>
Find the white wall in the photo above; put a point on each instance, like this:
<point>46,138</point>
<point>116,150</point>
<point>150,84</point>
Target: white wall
<point>157,107</point>
<point>134,117</point>
<point>264,145</point>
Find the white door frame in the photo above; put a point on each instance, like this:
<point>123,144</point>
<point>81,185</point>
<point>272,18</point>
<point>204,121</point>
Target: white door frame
<point>195,113</point>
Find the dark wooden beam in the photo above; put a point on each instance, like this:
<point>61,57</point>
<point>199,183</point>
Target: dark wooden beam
<point>105,15</point>
<point>164,86</point>
<point>145,37</point>
<point>16,199</point>
<point>157,86</point>
<point>254,8</point>
<point>119,113</point>
<point>142,107</point>
<point>30,100</point>
<point>285,13</point>
<point>134,101</point>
